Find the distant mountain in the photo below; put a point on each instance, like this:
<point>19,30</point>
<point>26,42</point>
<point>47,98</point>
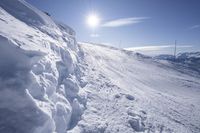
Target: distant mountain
<point>164,57</point>
<point>188,59</point>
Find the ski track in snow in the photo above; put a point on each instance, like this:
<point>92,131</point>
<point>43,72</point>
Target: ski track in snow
<point>51,84</point>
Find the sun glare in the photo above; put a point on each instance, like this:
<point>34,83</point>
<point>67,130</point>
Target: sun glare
<point>93,20</point>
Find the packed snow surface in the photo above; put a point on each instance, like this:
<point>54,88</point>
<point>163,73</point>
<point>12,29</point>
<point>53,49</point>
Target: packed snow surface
<point>128,92</point>
<point>51,84</point>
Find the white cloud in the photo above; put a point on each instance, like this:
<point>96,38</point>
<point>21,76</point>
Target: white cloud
<point>195,27</point>
<point>124,21</point>
<point>156,48</point>
<point>162,49</point>
<point>94,35</point>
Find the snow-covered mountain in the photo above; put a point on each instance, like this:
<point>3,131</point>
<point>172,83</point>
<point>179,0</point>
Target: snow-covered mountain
<point>51,84</point>
<point>190,60</point>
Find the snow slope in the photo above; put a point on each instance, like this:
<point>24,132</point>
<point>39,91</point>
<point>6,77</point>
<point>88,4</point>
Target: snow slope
<point>51,84</point>
<point>39,89</point>
<point>128,92</point>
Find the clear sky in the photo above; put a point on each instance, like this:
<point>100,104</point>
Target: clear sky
<point>135,23</point>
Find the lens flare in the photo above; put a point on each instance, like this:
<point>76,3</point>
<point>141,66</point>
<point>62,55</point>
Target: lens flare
<point>93,20</point>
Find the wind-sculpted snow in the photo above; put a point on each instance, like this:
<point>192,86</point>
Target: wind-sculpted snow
<point>26,13</point>
<point>128,92</point>
<point>39,86</point>
<point>51,84</point>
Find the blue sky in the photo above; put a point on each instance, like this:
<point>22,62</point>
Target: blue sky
<point>142,22</point>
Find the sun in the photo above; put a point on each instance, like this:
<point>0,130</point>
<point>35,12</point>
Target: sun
<point>93,20</point>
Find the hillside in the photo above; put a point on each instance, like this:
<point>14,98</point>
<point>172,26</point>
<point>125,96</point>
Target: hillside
<point>49,83</point>
<point>129,92</point>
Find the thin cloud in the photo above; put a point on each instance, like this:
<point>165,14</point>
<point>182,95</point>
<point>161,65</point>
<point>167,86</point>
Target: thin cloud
<point>156,48</point>
<point>94,35</point>
<point>124,21</point>
<point>195,27</point>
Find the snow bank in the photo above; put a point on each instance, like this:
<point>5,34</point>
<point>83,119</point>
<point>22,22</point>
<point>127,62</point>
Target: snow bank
<point>39,87</point>
<point>50,84</point>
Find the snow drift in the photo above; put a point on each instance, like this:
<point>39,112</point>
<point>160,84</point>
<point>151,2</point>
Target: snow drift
<point>51,84</point>
<point>39,88</point>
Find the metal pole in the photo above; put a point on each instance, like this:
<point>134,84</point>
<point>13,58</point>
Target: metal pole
<point>175,51</point>
<point>120,44</point>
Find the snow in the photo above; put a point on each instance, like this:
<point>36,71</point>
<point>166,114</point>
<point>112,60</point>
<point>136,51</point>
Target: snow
<point>49,83</point>
<point>190,60</point>
<point>127,92</point>
<point>38,60</point>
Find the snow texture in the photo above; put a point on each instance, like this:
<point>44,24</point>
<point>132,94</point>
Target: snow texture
<point>129,92</point>
<point>38,60</point>
<point>51,84</point>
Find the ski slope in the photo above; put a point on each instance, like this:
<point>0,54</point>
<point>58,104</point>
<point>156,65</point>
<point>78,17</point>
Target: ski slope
<point>51,84</point>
